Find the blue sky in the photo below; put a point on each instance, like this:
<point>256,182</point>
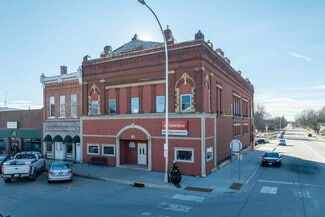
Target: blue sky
<point>279,45</point>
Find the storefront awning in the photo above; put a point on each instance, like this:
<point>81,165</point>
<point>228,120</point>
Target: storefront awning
<point>20,133</point>
<point>57,138</point>
<point>47,138</point>
<point>5,133</point>
<point>67,139</point>
<point>76,139</point>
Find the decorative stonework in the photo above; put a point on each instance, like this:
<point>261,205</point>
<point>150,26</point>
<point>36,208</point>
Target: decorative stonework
<point>94,90</point>
<point>193,99</point>
<point>184,79</point>
<point>177,100</point>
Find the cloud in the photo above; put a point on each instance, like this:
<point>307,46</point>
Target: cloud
<point>278,102</point>
<point>321,87</point>
<point>23,105</point>
<point>300,56</point>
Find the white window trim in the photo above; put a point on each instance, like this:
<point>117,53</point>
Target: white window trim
<point>209,149</point>
<point>62,104</point>
<point>181,98</point>
<point>109,106</point>
<point>92,145</point>
<point>184,149</point>
<point>50,103</point>
<point>94,102</point>
<point>132,105</point>
<point>73,107</point>
<point>108,145</point>
<point>157,97</point>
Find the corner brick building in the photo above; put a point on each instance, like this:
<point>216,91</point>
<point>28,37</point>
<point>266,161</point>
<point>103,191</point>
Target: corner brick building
<point>123,101</point>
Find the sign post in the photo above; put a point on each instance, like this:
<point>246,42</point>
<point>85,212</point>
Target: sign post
<point>236,146</point>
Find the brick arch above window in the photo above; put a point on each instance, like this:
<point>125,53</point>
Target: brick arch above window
<point>94,100</point>
<point>184,85</point>
<point>93,91</point>
<point>186,80</point>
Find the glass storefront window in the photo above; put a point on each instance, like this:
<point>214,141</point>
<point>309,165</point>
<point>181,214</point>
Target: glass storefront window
<point>184,154</point>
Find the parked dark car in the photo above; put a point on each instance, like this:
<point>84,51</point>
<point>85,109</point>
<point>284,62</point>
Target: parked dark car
<point>271,159</point>
<point>282,142</point>
<point>310,135</point>
<point>260,141</point>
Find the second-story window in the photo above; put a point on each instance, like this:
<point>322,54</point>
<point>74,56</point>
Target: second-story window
<point>135,105</point>
<point>62,106</point>
<point>112,106</point>
<point>94,107</point>
<point>186,102</point>
<point>245,107</point>
<point>52,107</point>
<point>94,101</point>
<point>219,99</point>
<point>160,103</point>
<point>73,109</point>
<point>236,129</point>
<point>236,105</point>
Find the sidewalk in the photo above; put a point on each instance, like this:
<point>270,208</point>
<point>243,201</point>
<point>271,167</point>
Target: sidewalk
<point>229,178</point>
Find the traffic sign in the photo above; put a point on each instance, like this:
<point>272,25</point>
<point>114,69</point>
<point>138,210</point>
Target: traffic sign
<point>236,145</point>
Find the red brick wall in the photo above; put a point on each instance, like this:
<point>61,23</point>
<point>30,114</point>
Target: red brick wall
<point>142,74</point>
<point>28,119</point>
<point>65,88</point>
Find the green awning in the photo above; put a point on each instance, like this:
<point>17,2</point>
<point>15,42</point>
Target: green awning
<point>67,139</point>
<point>76,139</point>
<point>47,138</point>
<point>5,133</point>
<point>57,138</point>
<point>20,133</point>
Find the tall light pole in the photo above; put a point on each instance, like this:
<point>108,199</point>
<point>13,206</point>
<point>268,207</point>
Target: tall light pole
<point>166,92</point>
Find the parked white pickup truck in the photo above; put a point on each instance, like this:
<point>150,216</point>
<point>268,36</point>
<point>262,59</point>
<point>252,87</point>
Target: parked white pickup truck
<point>24,164</point>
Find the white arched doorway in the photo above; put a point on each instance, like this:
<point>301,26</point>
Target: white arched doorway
<point>141,149</point>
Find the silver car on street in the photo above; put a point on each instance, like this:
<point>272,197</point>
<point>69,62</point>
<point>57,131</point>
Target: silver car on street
<point>60,171</point>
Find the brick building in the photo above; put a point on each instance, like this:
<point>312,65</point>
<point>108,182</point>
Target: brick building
<point>20,129</point>
<point>61,119</point>
<point>123,91</point>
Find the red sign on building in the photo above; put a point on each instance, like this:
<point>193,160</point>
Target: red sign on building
<point>175,128</point>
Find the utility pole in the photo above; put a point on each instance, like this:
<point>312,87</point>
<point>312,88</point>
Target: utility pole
<point>5,103</point>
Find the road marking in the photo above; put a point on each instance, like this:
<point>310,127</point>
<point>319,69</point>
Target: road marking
<point>269,190</point>
<point>151,214</point>
<point>304,194</point>
<point>175,207</point>
<point>289,183</point>
<point>188,197</point>
<point>70,186</point>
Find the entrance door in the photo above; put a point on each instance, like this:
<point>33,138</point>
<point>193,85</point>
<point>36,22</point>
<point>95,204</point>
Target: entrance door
<point>78,152</point>
<point>142,153</point>
<point>59,151</point>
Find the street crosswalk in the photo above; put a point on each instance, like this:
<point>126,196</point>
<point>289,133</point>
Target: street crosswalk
<point>175,206</point>
<point>180,203</point>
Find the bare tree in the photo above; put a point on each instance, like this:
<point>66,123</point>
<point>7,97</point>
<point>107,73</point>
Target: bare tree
<point>321,115</point>
<point>259,118</point>
<point>308,118</point>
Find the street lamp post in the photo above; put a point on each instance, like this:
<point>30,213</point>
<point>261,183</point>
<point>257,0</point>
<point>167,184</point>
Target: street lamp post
<point>166,92</point>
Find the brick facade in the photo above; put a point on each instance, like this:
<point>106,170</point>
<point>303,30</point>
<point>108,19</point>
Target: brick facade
<point>204,91</point>
<point>25,135</point>
<point>61,125</point>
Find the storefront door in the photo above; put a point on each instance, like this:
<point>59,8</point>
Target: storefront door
<point>142,153</point>
<point>59,151</point>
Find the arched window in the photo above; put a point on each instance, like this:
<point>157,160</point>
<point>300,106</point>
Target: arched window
<point>185,88</point>
<point>94,100</point>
